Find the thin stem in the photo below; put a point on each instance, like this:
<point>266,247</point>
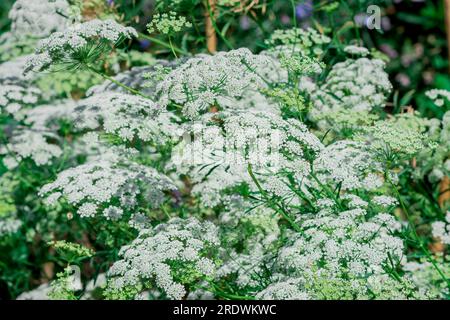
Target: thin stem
<point>164,44</point>
<point>171,47</point>
<point>294,15</point>
<point>211,37</point>
<point>275,206</point>
<point>120,84</point>
<point>415,234</point>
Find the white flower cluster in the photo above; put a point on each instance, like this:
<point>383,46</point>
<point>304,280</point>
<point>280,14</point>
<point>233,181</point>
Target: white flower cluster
<point>171,253</point>
<point>11,72</point>
<point>427,279</point>
<point>435,162</point>
<point>14,97</point>
<point>48,116</point>
<point>9,226</point>
<point>202,82</point>
<point>225,144</point>
<point>359,85</point>
<point>385,201</point>
<point>38,18</point>
<point>168,23</point>
<point>127,116</point>
<point>439,96</point>
<point>330,242</point>
<point>27,143</point>
<point>398,136</point>
<point>441,230</point>
<point>109,188</point>
<point>289,289</point>
<point>356,51</point>
<point>349,164</point>
<point>306,41</point>
<point>343,247</point>
<point>62,47</point>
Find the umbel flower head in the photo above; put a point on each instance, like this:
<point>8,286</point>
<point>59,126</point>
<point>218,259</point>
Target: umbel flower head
<point>38,18</point>
<point>204,81</point>
<point>36,145</point>
<point>168,256</point>
<point>79,45</point>
<point>340,254</point>
<point>226,143</point>
<point>126,115</point>
<point>13,97</point>
<point>358,85</point>
<point>109,188</point>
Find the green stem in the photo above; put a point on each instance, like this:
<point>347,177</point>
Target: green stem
<point>172,48</point>
<point>415,234</point>
<point>164,44</point>
<point>213,21</point>
<point>120,84</point>
<point>274,206</point>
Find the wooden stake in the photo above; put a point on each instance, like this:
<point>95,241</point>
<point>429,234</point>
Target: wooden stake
<point>211,36</point>
<point>444,192</point>
<point>444,188</point>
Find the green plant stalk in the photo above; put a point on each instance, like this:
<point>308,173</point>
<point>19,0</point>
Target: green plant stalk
<point>120,84</point>
<point>172,47</point>
<point>213,21</point>
<point>274,206</point>
<point>164,44</point>
<point>415,234</point>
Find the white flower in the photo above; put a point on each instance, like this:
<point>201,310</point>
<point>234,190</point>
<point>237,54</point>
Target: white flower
<point>356,50</point>
<point>102,182</point>
<point>61,47</point>
<point>128,116</point>
<point>439,96</point>
<point>203,81</point>
<point>38,18</point>
<point>441,230</point>
<point>32,144</point>
<point>157,254</point>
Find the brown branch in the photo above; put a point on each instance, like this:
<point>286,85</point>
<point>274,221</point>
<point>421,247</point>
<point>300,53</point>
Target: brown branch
<point>210,31</point>
<point>444,188</point>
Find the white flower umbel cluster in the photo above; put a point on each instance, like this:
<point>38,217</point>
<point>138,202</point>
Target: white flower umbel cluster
<point>425,276</point>
<point>13,98</point>
<point>127,116</point>
<point>225,143</point>
<point>397,137</point>
<point>48,116</point>
<point>38,18</point>
<point>356,51</point>
<point>441,229</point>
<point>340,255</point>
<point>111,189</point>
<point>349,164</point>
<point>250,234</point>
<point>435,163</point>
<point>78,44</point>
<point>11,72</point>
<point>9,226</point>
<point>289,289</point>
<point>39,146</point>
<point>306,41</point>
<point>169,256</point>
<point>202,82</point>
<point>359,85</point>
<point>342,239</point>
<point>168,23</point>
<point>439,96</point>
